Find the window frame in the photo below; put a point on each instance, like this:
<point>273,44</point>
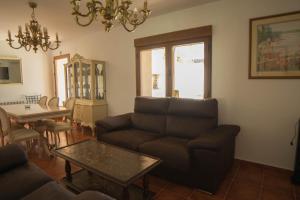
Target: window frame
<point>168,41</point>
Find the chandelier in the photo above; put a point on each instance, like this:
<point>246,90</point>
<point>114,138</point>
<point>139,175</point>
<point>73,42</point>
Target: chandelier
<point>111,11</point>
<point>33,37</point>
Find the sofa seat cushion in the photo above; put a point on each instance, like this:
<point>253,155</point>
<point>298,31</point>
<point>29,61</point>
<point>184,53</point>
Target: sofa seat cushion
<point>172,150</point>
<point>50,191</point>
<point>130,138</point>
<point>20,181</point>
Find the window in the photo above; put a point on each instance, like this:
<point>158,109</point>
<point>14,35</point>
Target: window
<point>153,72</point>
<point>175,64</point>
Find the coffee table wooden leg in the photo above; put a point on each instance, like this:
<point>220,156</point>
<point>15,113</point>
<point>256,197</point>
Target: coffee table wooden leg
<point>68,170</point>
<point>146,186</point>
<point>125,194</point>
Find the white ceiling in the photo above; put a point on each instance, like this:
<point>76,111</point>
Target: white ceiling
<point>56,14</point>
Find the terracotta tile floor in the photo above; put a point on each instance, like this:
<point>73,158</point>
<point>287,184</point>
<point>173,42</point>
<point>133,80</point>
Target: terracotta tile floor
<point>246,181</point>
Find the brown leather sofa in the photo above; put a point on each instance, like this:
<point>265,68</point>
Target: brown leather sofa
<point>184,133</point>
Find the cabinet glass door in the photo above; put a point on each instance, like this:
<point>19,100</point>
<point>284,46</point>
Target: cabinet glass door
<point>77,79</point>
<point>69,85</point>
<point>86,80</point>
<point>99,77</point>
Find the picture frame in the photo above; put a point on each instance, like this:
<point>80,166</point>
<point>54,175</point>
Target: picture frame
<point>10,70</point>
<point>275,47</point>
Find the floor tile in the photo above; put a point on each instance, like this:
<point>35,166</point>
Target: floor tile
<point>250,172</point>
<point>223,189</point>
<point>170,196</point>
<point>244,190</point>
<point>199,195</point>
<point>273,194</point>
<point>277,179</point>
<point>179,190</point>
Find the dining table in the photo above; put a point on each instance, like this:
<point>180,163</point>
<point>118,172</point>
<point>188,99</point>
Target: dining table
<point>33,113</point>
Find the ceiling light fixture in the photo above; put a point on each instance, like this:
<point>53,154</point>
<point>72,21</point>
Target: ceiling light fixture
<point>33,35</point>
<point>112,10</point>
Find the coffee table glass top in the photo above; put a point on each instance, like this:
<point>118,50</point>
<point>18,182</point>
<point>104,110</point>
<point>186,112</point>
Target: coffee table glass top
<point>107,160</point>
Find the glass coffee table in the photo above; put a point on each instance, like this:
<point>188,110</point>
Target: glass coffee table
<point>107,168</point>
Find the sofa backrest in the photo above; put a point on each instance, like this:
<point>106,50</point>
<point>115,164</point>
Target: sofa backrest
<point>186,118</point>
<point>150,114</point>
<point>189,118</point>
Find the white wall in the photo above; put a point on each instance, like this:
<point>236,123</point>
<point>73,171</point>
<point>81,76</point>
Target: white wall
<point>266,110</point>
<point>35,71</point>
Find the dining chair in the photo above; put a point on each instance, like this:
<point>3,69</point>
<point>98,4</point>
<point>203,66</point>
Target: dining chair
<point>43,101</point>
<point>53,102</point>
<point>63,126</point>
<point>16,134</point>
<point>41,125</point>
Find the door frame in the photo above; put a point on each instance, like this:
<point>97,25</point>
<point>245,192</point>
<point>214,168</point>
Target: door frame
<point>54,69</point>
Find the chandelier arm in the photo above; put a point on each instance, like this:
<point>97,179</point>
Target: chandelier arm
<point>27,47</point>
<point>11,45</point>
<point>53,48</point>
<point>139,19</point>
<point>57,45</point>
<point>87,24</point>
<point>10,42</point>
<point>77,13</point>
<point>96,7</point>
<point>44,48</point>
<point>136,23</point>
<point>128,29</point>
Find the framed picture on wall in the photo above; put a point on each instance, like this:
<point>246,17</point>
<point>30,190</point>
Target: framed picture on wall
<point>275,47</point>
<point>10,70</point>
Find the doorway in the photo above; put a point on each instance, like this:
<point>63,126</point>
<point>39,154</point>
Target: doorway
<point>60,77</point>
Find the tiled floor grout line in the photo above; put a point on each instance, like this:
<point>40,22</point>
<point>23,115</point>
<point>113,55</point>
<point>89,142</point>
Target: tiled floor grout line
<point>190,196</point>
<point>232,181</point>
<point>260,195</point>
<point>161,190</point>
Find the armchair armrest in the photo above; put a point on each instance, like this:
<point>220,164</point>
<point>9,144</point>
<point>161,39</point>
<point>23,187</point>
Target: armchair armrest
<point>115,123</point>
<point>11,156</point>
<point>92,195</point>
<point>215,139</point>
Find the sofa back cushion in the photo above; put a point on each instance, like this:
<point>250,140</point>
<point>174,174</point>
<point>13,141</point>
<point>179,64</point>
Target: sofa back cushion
<point>188,118</point>
<point>150,114</point>
<point>149,122</point>
<point>151,105</point>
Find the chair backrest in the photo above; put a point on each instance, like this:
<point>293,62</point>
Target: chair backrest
<point>43,101</point>
<point>70,104</point>
<point>5,122</point>
<point>53,102</point>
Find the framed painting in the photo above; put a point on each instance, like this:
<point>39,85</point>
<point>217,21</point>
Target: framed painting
<point>10,70</point>
<point>275,47</point>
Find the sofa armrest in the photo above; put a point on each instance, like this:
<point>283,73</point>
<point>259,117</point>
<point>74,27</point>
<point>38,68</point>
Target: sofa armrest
<point>88,195</point>
<point>11,156</point>
<point>215,139</point>
<point>116,122</point>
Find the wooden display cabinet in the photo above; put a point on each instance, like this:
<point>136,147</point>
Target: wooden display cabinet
<point>85,80</point>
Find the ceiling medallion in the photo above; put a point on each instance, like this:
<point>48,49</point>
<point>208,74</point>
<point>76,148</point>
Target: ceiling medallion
<point>33,37</point>
<point>111,11</point>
